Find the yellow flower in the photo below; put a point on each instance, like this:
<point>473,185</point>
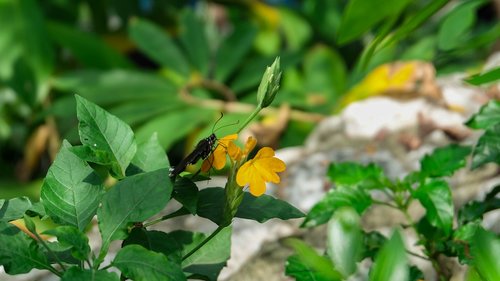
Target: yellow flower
<point>261,169</point>
<point>218,158</point>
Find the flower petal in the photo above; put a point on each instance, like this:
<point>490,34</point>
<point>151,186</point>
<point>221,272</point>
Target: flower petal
<point>264,152</point>
<point>234,151</point>
<point>250,145</point>
<point>245,173</point>
<point>257,186</point>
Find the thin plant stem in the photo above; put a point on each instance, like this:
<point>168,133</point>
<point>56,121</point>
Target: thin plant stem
<point>252,116</point>
<point>178,213</point>
<point>385,204</point>
<point>49,250</point>
<point>203,242</point>
<point>417,255</point>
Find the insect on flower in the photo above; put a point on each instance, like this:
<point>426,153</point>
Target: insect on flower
<point>203,149</point>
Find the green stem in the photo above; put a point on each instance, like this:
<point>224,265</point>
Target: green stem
<point>181,212</point>
<point>252,116</point>
<point>203,242</point>
<point>49,250</point>
<point>384,203</point>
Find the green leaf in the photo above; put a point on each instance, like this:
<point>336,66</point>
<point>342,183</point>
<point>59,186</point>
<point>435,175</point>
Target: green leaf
<point>487,149</point>
<point>372,242</point>
<point>457,23</point>
<point>485,251</point>
<point>169,244</point>
<point>89,50</point>
<point>233,49</point>
<point>487,117</point>
<point>69,236</point>
<point>194,40</point>
<point>173,127</point>
<point>140,264</point>
<point>29,55</point>
<point>345,240</point>
<point>186,193</point>
<point>296,29</point>
<point>325,74</point>
<point>133,199</point>
<point>79,274</point>
<point>416,20</point>
<point>71,190</point>
<point>351,173</point>
<point>390,263</point>
<point>149,157</point>
<point>299,270</point>
<point>484,78</point>
<point>435,196</point>
<point>158,45</point>
<point>463,237</point>
<point>359,16</point>
<point>97,86</point>
<point>475,210</point>
<point>266,207</point>
<point>261,209</point>
<point>354,197</point>
<point>105,133</point>
<point>18,252</point>
<point>444,161</point>
<point>209,259</point>
<point>314,264</point>
<point>14,208</point>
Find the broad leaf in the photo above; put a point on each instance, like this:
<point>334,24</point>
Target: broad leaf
<point>18,252</point>
<point>457,23</point>
<point>105,134</point>
<point>261,209</point>
<point>353,27</point>
<point>299,270</point>
<point>475,210</point>
<point>169,244</point>
<point>140,264</point>
<point>390,263</point>
<point>186,193</point>
<point>158,45</point>
<point>435,196</point>
<point>194,40</point>
<point>350,173</point>
<point>353,196</point>
<point>444,161</point>
<point>149,157</point>
<point>484,78</point>
<point>69,236</point>
<point>487,149</point>
<point>79,274</point>
<point>132,87</point>
<point>173,126</point>
<point>133,199</point>
<point>485,251</point>
<point>345,240</point>
<point>233,49</point>
<point>488,116</point>
<point>71,190</point>
<point>314,264</point>
<point>88,49</point>
<point>14,208</point>
<point>211,258</point>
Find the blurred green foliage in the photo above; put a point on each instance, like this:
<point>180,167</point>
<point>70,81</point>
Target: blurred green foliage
<point>171,66</point>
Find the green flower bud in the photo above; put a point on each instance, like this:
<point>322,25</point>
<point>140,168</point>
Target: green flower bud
<point>269,84</point>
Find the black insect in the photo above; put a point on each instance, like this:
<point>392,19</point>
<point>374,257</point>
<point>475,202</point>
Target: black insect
<point>202,150</point>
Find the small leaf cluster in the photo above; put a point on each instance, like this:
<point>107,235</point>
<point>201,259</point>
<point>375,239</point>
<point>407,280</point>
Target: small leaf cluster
<point>443,231</point>
<point>76,190</point>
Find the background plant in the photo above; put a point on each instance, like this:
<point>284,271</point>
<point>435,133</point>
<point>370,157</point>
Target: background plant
<point>154,63</point>
<point>436,231</point>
